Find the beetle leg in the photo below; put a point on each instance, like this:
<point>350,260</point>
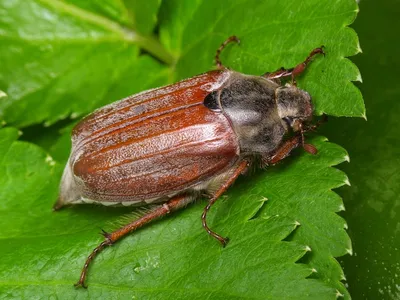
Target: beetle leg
<point>218,62</point>
<point>283,151</point>
<point>174,204</point>
<point>297,70</point>
<point>275,76</point>
<point>287,147</point>
<point>239,170</point>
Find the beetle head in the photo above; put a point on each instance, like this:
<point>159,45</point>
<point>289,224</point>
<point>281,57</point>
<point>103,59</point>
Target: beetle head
<point>294,105</point>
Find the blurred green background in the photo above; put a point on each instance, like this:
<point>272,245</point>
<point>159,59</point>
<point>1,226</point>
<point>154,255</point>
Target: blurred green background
<point>372,201</point>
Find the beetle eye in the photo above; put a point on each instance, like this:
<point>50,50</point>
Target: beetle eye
<point>289,121</point>
<point>211,102</point>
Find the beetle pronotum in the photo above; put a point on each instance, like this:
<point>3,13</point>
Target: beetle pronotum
<point>168,144</point>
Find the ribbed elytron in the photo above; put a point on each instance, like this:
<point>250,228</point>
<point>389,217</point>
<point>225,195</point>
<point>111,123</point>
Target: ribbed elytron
<point>170,145</point>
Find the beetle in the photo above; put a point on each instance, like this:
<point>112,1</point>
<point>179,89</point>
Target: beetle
<point>170,145</point>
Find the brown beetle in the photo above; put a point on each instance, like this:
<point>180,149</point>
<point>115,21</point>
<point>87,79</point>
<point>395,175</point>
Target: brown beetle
<point>170,145</point>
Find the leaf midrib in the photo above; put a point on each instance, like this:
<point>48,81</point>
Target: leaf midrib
<point>92,18</point>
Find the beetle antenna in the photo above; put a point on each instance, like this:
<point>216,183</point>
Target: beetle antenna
<point>310,148</point>
<point>218,62</point>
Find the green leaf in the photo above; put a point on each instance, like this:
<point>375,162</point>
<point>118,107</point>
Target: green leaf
<point>312,203</point>
<point>144,14</point>
<point>273,34</point>
<point>71,56</point>
<point>26,175</point>
<point>282,222</point>
<point>139,15</point>
<point>79,59</point>
<point>52,246</point>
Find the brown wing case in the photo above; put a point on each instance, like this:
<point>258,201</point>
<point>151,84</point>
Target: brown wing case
<point>153,144</point>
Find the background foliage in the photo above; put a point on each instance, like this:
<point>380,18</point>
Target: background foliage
<point>67,57</point>
<point>372,201</point>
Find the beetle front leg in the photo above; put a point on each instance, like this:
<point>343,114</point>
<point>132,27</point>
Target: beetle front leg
<point>283,151</point>
<point>286,148</point>
<point>238,171</point>
<point>174,204</point>
<point>297,70</point>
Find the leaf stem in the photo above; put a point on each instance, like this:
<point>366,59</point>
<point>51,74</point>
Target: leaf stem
<point>154,47</point>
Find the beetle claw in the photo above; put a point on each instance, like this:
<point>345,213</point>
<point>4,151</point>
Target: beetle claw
<point>80,285</point>
<point>322,50</point>
<point>224,242</point>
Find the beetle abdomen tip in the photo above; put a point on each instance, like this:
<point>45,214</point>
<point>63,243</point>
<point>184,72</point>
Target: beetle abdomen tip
<point>58,205</point>
<point>69,190</point>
